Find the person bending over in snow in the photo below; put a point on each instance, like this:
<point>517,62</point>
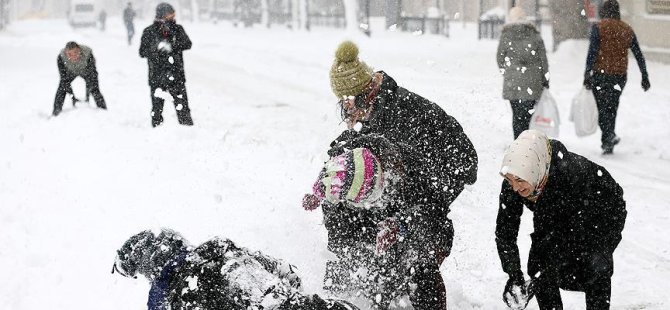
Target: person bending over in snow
<point>162,45</point>
<point>378,220</point>
<point>73,61</point>
<point>215,275</point>
<point>578,216</point>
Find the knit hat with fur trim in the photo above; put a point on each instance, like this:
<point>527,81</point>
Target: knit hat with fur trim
<point>349,76</point>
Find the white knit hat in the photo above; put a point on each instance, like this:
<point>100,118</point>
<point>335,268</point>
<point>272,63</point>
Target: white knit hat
<point>528,157</point>
<point>517,15</point>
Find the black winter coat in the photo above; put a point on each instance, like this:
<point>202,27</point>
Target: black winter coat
<point>437,156</point>
<point>220,275</point>
<point>445,156</point>
<point>165,68</point>
<point>580,212</point>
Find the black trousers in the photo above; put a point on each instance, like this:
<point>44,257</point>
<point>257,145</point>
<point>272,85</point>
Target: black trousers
<point>178,93</point>
<point>607,91</point>
<point>131,31</point>
<point>430,292</point>
<point>588,272</point>
<point>521,115</point>
<point>92,87</point>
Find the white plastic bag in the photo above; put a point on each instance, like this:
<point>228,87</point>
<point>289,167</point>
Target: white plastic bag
<point>545,117</point>
<point>584,113</point>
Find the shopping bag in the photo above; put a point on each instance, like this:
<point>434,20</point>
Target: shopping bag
<point>584,113</point>
<point>545,117</point>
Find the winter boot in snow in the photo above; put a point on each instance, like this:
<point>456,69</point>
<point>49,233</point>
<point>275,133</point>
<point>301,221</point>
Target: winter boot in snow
<point>608,148</point>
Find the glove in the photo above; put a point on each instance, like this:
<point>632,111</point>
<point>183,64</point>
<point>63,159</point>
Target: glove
<point>310,202</point>
<point>517,294</point>
<point>645,83</point>
<point>337,147</point>
<point>588,82</point>
<point>545,84</point>
<point>165,47</point>
<point>387,235</point>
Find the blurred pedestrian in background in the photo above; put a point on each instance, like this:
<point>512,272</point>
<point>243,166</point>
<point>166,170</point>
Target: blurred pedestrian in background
<point>128,17</point>
<point>522,59</point>
<point>607,68</point>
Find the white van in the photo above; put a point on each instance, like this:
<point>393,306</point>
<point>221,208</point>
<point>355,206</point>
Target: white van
<point>82,14</point>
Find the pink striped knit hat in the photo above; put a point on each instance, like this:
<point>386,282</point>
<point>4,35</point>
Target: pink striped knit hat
<point>355,176</point>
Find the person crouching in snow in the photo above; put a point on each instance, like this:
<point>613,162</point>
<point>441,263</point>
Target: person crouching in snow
<point>215,275</point>
<point>162,44</point>
<point>377,222</point>
<point>578,216</point>
<point>73,61</point>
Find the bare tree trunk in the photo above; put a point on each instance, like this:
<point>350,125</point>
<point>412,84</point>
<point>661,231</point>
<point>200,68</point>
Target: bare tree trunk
<point>351,15</point>
<point>265,13</point>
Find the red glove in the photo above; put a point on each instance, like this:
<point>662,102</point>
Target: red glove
<point>310,202</point>
<point>387,235</point>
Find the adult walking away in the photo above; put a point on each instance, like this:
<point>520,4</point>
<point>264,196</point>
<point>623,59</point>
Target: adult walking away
<point>372,103</point>
<point>73,61</point>
<point>522,59</point>
<point>162,45</point>
<point>215,275</point>
<point>607,68</point>
<point>578,216</point>
<point>128,17</point>
<point>102,18</point>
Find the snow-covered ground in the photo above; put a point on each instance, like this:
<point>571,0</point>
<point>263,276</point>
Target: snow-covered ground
<point>75,187</point>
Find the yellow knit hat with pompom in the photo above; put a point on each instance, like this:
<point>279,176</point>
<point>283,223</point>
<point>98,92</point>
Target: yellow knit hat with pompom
<point>349,76</point>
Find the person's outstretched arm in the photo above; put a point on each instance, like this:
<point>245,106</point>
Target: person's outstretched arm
<point>639,57</point>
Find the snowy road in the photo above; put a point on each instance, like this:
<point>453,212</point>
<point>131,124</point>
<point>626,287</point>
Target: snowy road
<point>74,188</point>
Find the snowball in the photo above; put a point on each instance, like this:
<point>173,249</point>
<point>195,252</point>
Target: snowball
<point>192,283</point>
<point>617,87</point>
<point>530,91</point>
<point>358,126</point>
<point>600,173</point>
<point>180,107</point>
<point>171,59</point>
<point>533,52</point>
<point>560,154</point>
<point>583,12</point>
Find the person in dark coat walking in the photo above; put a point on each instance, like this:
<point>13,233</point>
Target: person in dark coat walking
<point>162,45</point>
<point>578,216</point>
<point>522,59</point>
<point>215,275</point>
<point>607,68</point>
<point>102,18</point>
<point>128,17</point>
<point>73,61</point>
<point>445,159</point>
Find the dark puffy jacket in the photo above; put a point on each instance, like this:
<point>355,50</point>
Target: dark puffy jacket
<point>445,157</point>
<point>165,68</point>
<point>580,211</point>
<point>220,275</point>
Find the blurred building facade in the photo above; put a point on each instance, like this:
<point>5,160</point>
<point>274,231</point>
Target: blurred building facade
<point>651,21</point>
